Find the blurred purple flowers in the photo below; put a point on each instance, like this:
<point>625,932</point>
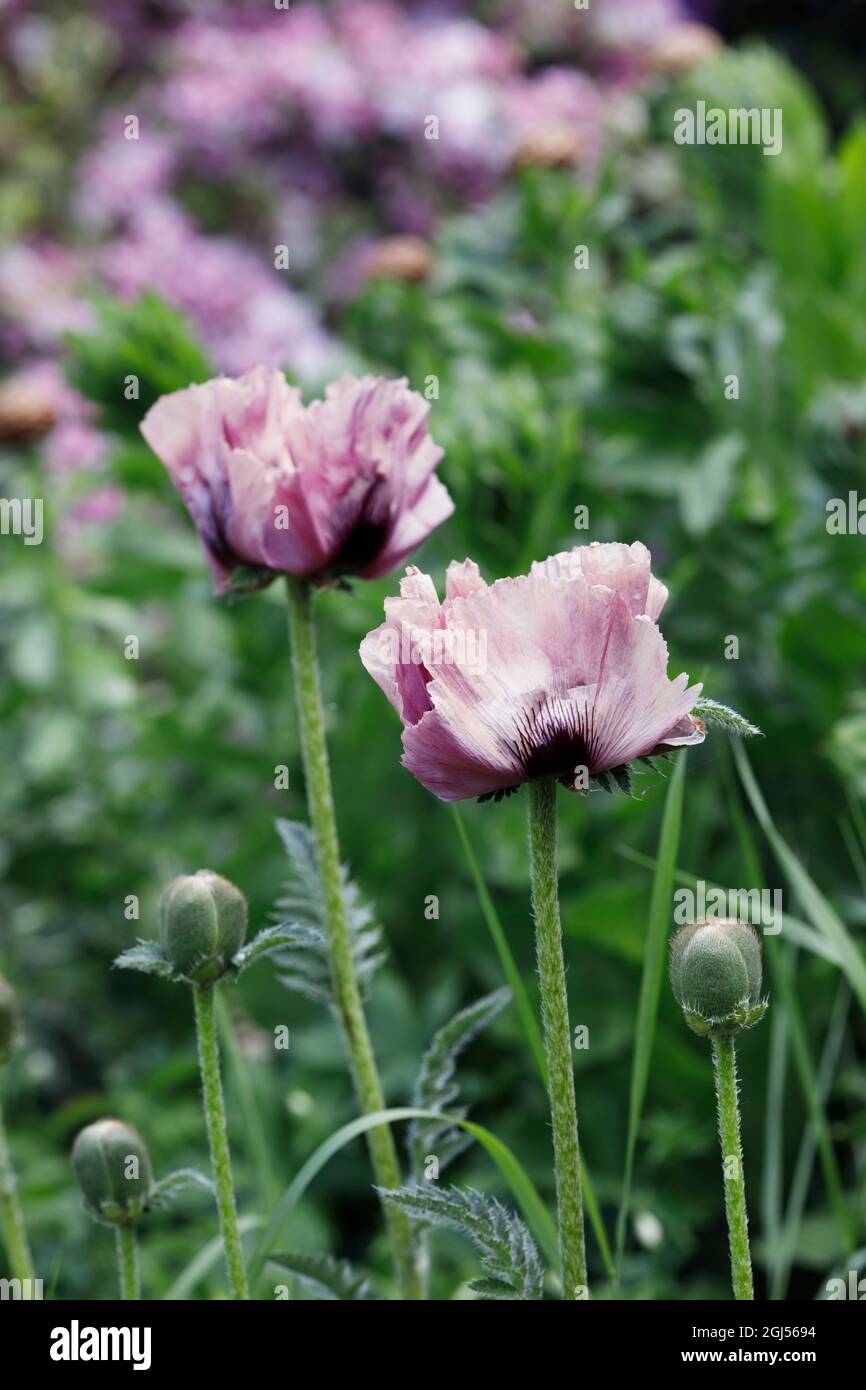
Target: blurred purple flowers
<point>246,129</point>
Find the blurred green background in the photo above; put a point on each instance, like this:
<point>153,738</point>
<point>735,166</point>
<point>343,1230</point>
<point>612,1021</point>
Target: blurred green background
<point>557,387</point>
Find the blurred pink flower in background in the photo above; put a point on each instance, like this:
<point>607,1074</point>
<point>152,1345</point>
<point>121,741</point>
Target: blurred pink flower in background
<point>557,102</point>
<point>343,486</point>
<point>240,307</point>
<point>117,175</point>
<point>322,128</point>
<point>556,671</point>
<point>37,401</point>
<point>40,296</point>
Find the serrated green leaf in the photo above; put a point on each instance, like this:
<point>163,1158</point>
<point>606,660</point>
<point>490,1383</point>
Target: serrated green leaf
<point>147,957</point>
<point>509,1256</point>
<point>168,1187</point>
<point>711,712</point>
<point>525,1193</point>
<point>302,903</point>
<point>324,1276</point>
<point>264,944</point>
<point>622,776</point>
<point>435,1087</point>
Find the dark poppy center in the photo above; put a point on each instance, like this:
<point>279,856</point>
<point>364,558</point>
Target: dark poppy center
<point>554,738</point>
<point>558,756</point>
<point>360,547</point>
<point>368,534</point>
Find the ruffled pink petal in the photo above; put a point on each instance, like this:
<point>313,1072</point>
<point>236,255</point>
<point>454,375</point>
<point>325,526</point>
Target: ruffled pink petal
<point>411,527</point>
<point>534,676</point>
<point>223,446</point>
<point>462,578</point>
<point>394,653</point>
<point>687,732</point>
<point>446,762</point>
<point>367,460</point>
<point>634,705</point>
<point>344,485</point>
<point>623,568</point>
<point>183,430</point>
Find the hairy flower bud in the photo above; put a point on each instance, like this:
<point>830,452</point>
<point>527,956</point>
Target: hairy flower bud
<point>113,1169</point>
<point>715,970</point>
<point>8,1018</point>
<point>202,924</point>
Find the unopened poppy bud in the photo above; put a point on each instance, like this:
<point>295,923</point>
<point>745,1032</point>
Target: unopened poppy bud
<point>8,1018</point>
<point>715,970</point>
<point>203,922</point>
<point>113,1169</point>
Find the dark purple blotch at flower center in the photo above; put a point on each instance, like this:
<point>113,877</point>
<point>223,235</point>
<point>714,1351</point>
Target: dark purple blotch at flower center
<point>553,742</point>
<point>367,535</point>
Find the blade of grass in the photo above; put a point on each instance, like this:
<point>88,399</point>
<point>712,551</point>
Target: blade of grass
<point>254,1130</point>
<point>773,1172</point>
<point>503,950</point>
<point>796,930</point>
<point>857,816</point>
<point>530,1025</point>
<point>204,1260</point>
<point>816,907</point>
<point>537,1216</point>
<point>799,1191</point>
<point>852,844</point>
<point>783,979</point>
<point>651,980</point>
<point>800,1043</point>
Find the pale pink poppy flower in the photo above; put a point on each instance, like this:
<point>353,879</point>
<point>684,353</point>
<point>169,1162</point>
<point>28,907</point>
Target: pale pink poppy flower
<point>558,673</point>
<point>343,486</point>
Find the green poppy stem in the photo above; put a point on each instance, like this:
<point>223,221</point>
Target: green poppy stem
<point>725,1069</point>
<point>362,1061</point>
<point>557,1034</point>
<point>126,1241</point>
<point>217,1133</point>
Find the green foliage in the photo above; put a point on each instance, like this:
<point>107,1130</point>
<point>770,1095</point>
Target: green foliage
<point>435,1085</point>
<point>509,1258</point>
<point>182,1180</point>
<point>711,712</point>
<point>149,958</point>
<point>266,943</point>
<point>556,387</point>
<point>305,967</point>
<point>136,353</point>
<point>325,1277</point>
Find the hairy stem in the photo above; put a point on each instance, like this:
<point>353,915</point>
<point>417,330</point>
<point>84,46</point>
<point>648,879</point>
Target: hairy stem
<point>11,1216</point>
<point>362,1062</point>
<point>557,1034</point>
<point>217,1133</point>
<point>126,1241</point>
<point>725,1068</point>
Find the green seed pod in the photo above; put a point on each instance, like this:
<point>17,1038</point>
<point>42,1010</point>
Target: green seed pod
<point>113,1169</point>
<point>715,970</point>
<point>202,924</point>
<point>8,1019</point>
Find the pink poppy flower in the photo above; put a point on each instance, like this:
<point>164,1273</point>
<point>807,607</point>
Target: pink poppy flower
<point>558,673</point>
<point>343,486</point>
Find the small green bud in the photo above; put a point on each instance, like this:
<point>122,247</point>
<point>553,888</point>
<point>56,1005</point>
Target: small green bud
<point>113,1169</point>
<point>715,970</point>
<point>8,1019</point>
<point>202,925</point>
